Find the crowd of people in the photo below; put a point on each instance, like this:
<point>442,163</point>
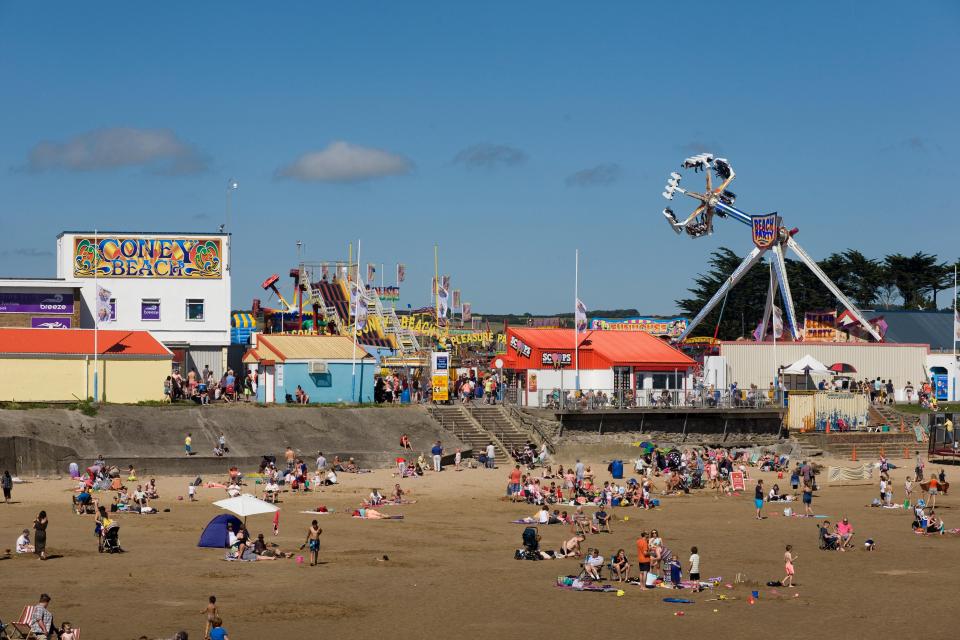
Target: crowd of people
<point>203,388</point>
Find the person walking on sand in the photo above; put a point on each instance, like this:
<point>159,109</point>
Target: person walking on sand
<point>788,560</point>
<point>210,611</point>
<point>808,499</point>
<point>40,535</point>
<point>313,541</point>
<point>6,483</point>
<point>758,499</point>
<point>437,452</point>
<point>188,444</point>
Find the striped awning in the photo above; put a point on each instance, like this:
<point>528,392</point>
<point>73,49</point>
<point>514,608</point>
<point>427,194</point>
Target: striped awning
<point>243,321</point>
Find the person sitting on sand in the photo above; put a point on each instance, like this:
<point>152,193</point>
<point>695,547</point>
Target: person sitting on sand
<point>151,490</point>
<point>376,498</point>
<point>23,543</point>
<point>571,548</point>
<point>233,490</point>
<point>268,552</point>
<point>331,478</point>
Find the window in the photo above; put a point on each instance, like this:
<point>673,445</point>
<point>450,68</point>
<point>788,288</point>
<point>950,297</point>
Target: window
<point>195,309</point>
<point>150,309</point>
<point>113,309</point>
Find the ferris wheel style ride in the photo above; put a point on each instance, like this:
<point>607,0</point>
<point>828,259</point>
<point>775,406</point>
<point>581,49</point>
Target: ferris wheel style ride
<point>769,236</point>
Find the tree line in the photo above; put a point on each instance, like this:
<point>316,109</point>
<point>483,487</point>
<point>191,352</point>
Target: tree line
<point>895,281</point>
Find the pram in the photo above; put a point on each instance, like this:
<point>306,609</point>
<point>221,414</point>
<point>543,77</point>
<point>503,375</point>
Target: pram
<point>110,541</point>
<point>531,545</point>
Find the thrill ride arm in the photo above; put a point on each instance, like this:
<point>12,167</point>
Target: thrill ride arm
<point>780,269</point>
<point>752,258</point>
<point>817,271</point>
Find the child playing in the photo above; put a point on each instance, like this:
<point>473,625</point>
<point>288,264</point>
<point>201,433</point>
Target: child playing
<point>67,632</point>
<point>192,492</point>
<point>694,564</point>
<point>675,573</point>
<point>908,488</point>
<point>212,614</point>
<point>788,559</point>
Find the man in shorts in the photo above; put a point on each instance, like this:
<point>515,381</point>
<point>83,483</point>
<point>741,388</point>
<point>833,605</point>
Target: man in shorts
<point>643,556</point>
<point>313,541</point>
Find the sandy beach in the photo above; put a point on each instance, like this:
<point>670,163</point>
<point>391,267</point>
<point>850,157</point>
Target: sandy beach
<point>451,567</point>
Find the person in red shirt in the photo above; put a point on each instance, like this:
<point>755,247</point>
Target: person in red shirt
<point>514,486</point>
<point>643,556</point>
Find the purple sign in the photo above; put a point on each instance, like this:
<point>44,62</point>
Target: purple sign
<point>18,302</point>
<point>149,310</point>
<point>49,323</point>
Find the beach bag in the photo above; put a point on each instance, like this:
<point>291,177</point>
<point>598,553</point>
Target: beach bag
<point>788,512</point>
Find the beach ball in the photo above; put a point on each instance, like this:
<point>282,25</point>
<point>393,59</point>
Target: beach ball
<point>619,592</point>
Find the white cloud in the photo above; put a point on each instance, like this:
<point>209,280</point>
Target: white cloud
<point>160,150</point>
<point>600,175</point>
<point>489,156</point>
<point>346,162</point>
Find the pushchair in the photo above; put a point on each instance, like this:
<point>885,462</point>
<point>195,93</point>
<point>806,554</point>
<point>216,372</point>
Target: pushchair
<point>110,541</point>
<point>531,545</point>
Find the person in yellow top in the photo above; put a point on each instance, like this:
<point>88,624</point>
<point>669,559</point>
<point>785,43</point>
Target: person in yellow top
<point>187,443</point>
<point>948,427</point>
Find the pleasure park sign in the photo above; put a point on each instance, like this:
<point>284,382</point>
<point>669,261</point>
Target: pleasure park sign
<point>769,236</point>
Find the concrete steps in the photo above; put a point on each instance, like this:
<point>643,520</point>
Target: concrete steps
<point>495,421</point>
<point>453,418</point>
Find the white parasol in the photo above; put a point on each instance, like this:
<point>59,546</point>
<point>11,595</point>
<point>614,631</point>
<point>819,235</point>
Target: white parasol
<point>246,505</point>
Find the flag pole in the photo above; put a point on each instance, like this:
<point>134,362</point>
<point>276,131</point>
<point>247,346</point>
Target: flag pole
<point>956,327</point>
<point>356,308</point>
<point>436,286</point>
<point>576,324</point>
<point>96,319</point>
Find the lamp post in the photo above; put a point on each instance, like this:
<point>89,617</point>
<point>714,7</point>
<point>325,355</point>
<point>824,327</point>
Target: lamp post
<point>232,185</point>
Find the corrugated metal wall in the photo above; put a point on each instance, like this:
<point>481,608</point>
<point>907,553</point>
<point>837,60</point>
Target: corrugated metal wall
<point>807,410</point>
<point>754,363</point>
<point>197,357</point>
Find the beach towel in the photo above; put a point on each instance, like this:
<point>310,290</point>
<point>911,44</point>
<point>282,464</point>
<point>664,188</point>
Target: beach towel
<point>678,600</point>
<point>573,583</point>
<point>319,513</point>
<point>383,518</point>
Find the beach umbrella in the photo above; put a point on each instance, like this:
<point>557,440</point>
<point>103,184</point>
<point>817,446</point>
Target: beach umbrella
<point>246,505</point>
<point>842,367</point>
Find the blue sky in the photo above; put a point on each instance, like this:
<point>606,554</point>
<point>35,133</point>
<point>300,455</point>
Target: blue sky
<point>509,133</point>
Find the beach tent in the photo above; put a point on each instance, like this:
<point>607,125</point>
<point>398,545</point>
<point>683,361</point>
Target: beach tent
<point>215,534</point>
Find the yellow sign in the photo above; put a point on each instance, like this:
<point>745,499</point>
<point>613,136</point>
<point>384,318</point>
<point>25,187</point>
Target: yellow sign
<point>426,327</point>
<point>157,257</point>
<point>441,390</point>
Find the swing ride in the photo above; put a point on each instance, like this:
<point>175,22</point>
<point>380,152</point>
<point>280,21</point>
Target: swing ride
<point>769,237</point>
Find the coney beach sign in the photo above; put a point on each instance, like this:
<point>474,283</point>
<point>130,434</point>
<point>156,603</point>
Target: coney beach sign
<point>155,257</point>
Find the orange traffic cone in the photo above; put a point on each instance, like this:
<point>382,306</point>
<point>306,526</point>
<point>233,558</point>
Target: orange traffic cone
<point>853,456</point>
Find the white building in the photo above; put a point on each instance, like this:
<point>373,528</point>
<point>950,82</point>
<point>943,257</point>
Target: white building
<point>175,285</point>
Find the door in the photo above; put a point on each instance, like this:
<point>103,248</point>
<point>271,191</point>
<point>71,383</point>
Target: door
<point>268,384</point>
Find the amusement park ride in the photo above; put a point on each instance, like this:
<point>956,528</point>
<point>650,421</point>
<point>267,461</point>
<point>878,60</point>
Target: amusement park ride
<point>320,304</point>
<point>769,235</point>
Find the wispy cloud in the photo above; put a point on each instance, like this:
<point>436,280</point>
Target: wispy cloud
<point>916,144</point>
<point>200,216</point>
<point>700,146</point>
<point>490,156</point>
<point>345,162</point>
<point>27,252</point>
<point>600,175</point>
<point>160,151</point>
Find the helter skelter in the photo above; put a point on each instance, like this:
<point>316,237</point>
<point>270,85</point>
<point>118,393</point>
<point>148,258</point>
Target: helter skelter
<point>769,236</point>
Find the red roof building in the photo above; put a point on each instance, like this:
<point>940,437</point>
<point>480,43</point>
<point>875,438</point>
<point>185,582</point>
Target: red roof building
<point>80,342</point>
<point>546,359</point>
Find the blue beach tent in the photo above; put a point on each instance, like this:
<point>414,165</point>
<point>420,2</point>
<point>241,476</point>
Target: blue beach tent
<point>215,534</point>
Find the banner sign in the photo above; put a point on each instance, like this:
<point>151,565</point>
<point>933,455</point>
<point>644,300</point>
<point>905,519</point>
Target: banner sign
<point>552,359</point>
<point>49,323</point>
<point>129,257</point>
<point>425,326</point>
<point>736,481</point>
<point>401,273</point>
<point>820,326</point>
<point>519,347</point>
<point>149,310</point>
<point>17,302</point>
<point>670,327</point>
<point>391,294</point>
<point>456,298</point>
<point>440,376</point>
<point>466,312</point>
<point>765,230</point>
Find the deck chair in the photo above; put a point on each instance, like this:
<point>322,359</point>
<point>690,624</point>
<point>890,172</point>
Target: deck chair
<point>827,544</point>
<point>21,628</point>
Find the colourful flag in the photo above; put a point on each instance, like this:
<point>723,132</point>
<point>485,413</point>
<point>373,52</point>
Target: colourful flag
<point>103,305</point>
<point>581,316</point>
<point>456,298</point>
<point>371,272</point>
<point>467,312</point>
<point>401,273</point>
<point>324,271</point>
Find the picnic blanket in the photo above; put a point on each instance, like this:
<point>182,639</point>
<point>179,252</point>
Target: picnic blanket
<point>572,583</point>
<point>319,513</point>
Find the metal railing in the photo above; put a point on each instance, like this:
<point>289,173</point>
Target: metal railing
<point>608,399</point>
